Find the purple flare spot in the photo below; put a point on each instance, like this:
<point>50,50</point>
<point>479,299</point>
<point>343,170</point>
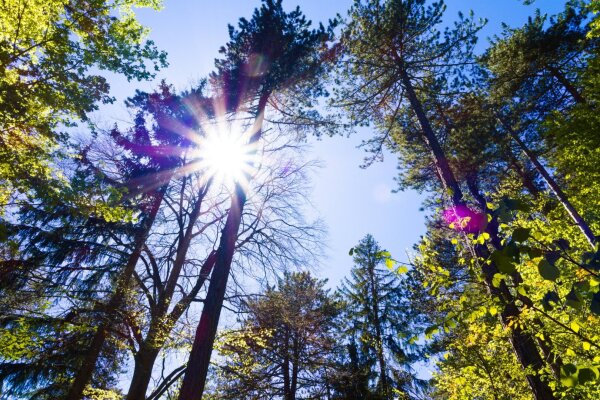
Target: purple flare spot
<point>463,219</point>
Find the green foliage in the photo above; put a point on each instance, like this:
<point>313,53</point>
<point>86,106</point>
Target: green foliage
<point>376,320</point>
<point>284,345</point>
<point>48,50</point>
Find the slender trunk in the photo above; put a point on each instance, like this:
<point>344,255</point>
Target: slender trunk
<point>197,368</point>
<point>295,366</point>
<point>567,84</point>
<point>286,366</point>
<point>160,327</point>
<point>560,195</point>
<point>86,370</point>
<point>442,167</point>
<point>524,174</point>
<point>383,384</point>
<point>521,341</point>
<point>142,373</point>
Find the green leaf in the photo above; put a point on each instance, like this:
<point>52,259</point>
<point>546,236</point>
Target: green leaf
<point>521,234</point>
<point>497,279</point>
<point>568,375</point>
<point>586,375</point>
<point>573,300</point>
<point>351,252</point>
<point>548,271</point>
<point>553,256</point>
<point>534,253</point>
<point>402,269</point>
<point>575,326</point>
<point>432,330</point>
<point>586,346</point>
<point>389,263</point>
<point>550,299</point>
<point>503,262</point>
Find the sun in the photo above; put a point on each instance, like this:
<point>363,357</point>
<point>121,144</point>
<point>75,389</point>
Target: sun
<point>226,155</point>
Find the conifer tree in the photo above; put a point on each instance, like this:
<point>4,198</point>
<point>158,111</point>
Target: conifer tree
<point>377,321</point>
<point>399,56</point>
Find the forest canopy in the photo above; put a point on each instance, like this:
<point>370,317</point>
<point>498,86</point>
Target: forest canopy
<point>178,255</point>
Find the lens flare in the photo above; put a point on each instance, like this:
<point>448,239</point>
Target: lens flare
<point>226,155</point>
<point>462,218</point>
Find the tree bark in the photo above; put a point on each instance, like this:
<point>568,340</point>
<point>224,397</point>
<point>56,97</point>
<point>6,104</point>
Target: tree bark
<point>566,84</point>
<point>142,373</point>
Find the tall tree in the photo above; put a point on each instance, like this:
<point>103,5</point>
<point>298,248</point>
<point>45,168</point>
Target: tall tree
<point>394,56</point>
<point>151,158</point>
<point>273,52</point>
<point>284,344</point>
<point>378,321</point>
<point>48,50</point>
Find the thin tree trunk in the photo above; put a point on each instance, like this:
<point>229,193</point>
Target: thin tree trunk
<point>522,342</point>
<point>160,326</point>
<point>383,383</point>
<point>560,195</point>
<point>197,368</point>
<point>567,84</point>
<point>86,370</point>
<point>295,366</point>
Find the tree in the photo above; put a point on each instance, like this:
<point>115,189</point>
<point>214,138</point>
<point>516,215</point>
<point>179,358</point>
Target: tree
<point>394,57</point>
<point>284,345</point>
<point>377,322</point>
<point>273,52</point>
<point>47,52</point>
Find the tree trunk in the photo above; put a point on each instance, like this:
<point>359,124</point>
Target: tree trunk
<point>142,373</point>
<point>560,195</point>
<point>86,370</point>
<point>442,167</point>
<point>197,368</point>
<point>521,341</point>
<point>383,383</point>
<point>160,327</point>
<point>295,366</point>
<point>567,84</point>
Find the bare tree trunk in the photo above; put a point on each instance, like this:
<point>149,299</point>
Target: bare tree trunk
<point>521,341</point>
<point>560,195</point>
<point>86,370</point>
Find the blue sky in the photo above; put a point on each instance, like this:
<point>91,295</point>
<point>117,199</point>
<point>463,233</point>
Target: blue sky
<point>351,200</point>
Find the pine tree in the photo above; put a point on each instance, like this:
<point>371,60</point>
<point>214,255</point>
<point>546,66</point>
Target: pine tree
<point>398,65</point>
<point>377,322</point>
